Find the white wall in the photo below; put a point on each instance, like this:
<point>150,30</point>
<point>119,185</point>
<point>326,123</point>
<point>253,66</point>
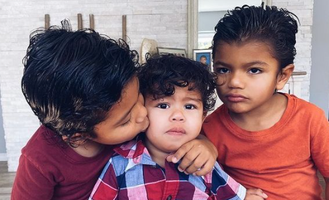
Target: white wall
<point>163,20</point>
<point>304,11</point>
<point>319,89</point>
<point>214,5</point>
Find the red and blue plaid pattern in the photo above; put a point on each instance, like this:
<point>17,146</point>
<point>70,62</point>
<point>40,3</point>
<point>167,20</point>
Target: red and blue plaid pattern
<point>132,174</point>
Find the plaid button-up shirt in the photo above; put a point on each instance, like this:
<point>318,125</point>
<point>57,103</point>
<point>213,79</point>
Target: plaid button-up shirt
<point>132,174</point>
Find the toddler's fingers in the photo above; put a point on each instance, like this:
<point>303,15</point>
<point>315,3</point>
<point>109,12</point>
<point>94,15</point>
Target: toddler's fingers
<point>258,192</point>
<point>195,165</point>
<point>205,169</point>
<point>179,154</point>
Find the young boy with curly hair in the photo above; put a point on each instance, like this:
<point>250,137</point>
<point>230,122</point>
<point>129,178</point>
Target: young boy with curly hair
<point>266,139</point>
<point>83,88</point>
<point>178,93</point>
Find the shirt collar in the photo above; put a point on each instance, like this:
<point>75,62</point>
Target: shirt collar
<point>135,152</point>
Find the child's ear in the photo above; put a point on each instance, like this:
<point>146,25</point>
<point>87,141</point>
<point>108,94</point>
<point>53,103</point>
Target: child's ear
<point>76,139</point>
<point>284,76</point>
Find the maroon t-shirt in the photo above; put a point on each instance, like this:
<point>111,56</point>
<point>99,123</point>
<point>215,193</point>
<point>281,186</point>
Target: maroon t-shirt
<point>50,169</point>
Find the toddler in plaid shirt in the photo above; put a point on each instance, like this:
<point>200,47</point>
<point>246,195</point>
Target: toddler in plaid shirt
<point>178,93</point>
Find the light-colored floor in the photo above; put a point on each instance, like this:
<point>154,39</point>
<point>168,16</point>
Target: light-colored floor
<point>7,179</point>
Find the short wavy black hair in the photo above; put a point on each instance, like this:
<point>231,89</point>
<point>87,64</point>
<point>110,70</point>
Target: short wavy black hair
<point>276,27</point>
<point>160,74</point>
<point>71,79</point>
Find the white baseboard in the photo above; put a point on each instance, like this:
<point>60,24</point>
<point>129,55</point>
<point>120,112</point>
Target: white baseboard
<point>3,157</point>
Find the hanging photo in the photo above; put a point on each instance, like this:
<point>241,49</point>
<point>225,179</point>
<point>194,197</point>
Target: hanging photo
<point>204,56</point>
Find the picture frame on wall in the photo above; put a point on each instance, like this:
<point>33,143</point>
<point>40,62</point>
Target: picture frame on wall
<point>204,56</point>
<point>174,51</point>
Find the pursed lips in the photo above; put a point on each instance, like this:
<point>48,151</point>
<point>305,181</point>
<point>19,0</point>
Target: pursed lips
<point>235,98</point>
<point>176,131</point>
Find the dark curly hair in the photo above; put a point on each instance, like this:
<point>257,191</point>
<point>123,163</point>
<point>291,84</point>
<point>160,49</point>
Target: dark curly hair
<point>160,74</point>
<point>71,79</point>
<point>276,27</point>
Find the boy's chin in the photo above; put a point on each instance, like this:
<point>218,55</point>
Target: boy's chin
<point>171,150</point>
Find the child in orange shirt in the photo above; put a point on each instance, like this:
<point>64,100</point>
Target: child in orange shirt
<point>265,138</point>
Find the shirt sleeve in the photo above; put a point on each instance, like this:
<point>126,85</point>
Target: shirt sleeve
<point>224,187</point>
<point>106,186</point>
<point>31,183</point>
<point>319,144</point>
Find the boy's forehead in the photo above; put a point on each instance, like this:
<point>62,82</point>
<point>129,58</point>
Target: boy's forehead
<point>245,55</point>
<point>129,97</point>
<point>246,46</point>
<point>190,89</point>
<point>250,42</point>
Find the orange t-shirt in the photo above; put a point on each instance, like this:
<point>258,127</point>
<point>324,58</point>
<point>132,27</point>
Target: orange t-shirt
<point>281,160</point>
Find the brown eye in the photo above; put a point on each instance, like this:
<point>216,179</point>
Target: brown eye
<point>221,70</point>
<point>163,106</point>
<point>190,107</point>
<point>255,71</point>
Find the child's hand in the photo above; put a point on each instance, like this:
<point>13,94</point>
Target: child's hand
<point>198,156</point>
<point>255,194</point>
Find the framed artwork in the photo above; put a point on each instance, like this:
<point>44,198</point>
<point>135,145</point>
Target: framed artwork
<point>204,56</point>
<point>174,51</point>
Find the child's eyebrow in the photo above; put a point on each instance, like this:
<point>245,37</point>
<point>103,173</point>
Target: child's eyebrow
<point>222,63</point>
<point>246,64</point>
<point>185,98</point>
<point>193,99</point>
<point>256,63</point>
